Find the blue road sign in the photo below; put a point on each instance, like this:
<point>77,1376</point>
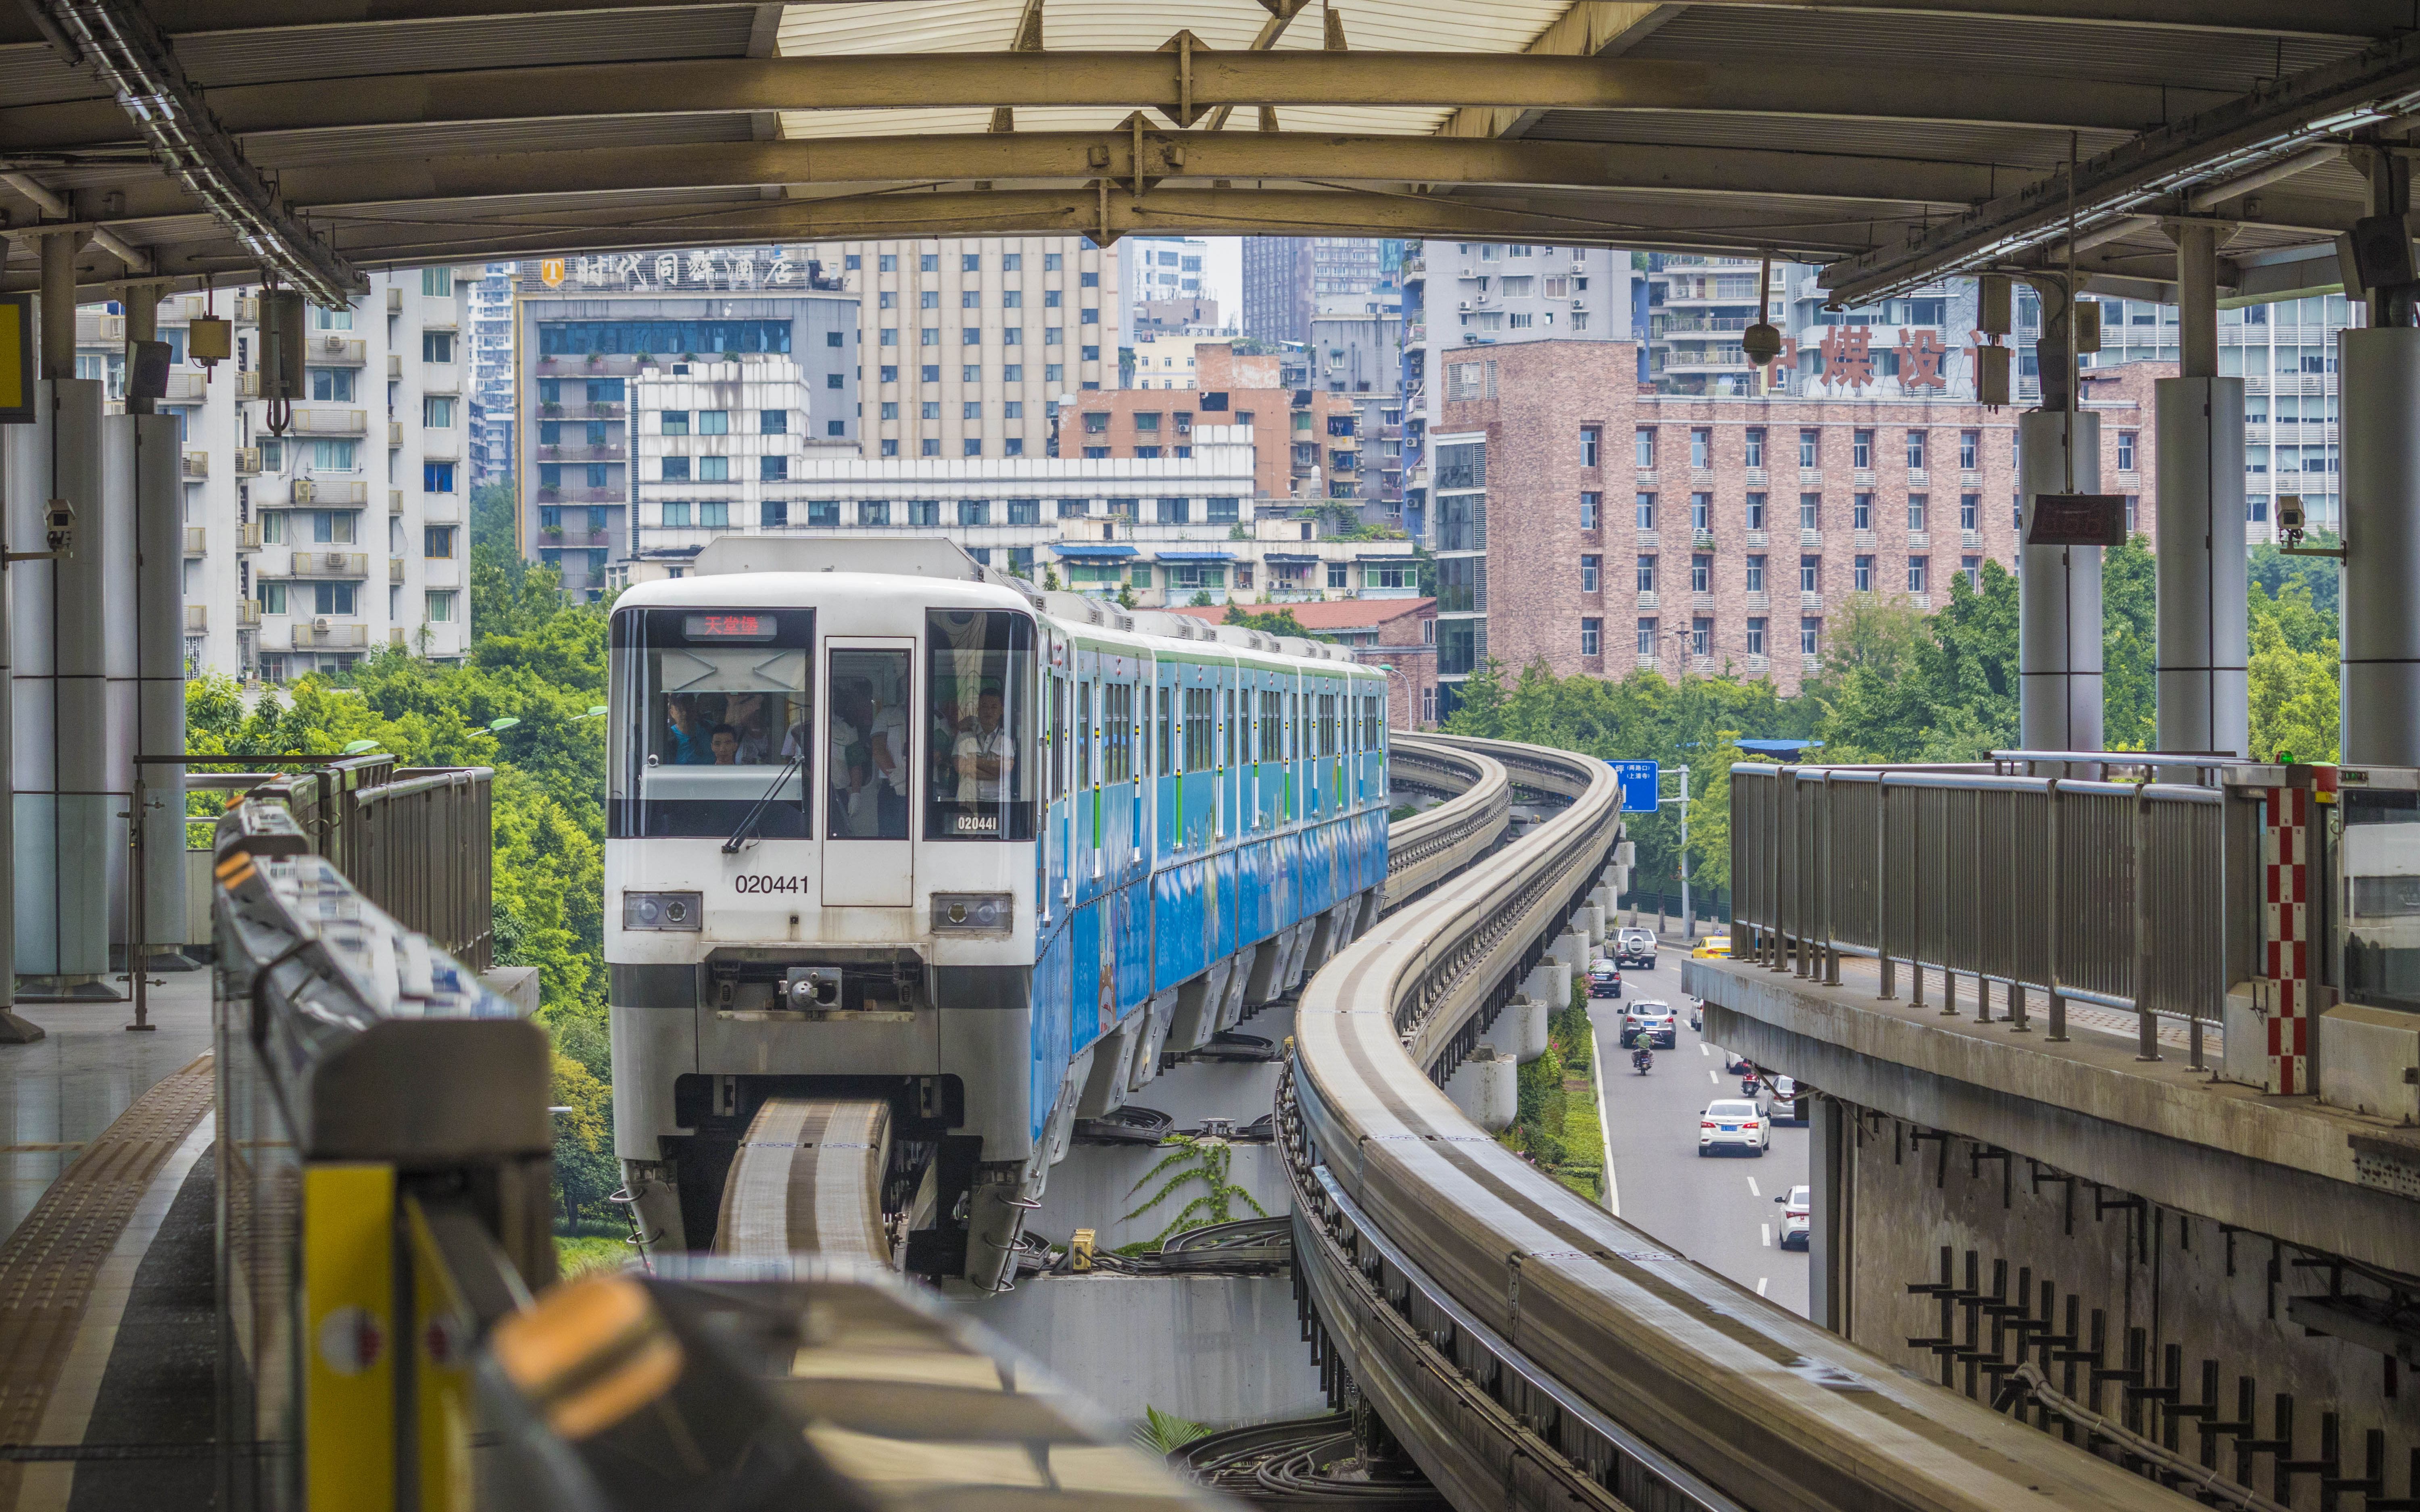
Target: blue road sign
<point>1639,785</point>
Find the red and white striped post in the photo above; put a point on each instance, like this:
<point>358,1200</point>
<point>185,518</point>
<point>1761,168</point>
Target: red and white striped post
<point>2287,816</point>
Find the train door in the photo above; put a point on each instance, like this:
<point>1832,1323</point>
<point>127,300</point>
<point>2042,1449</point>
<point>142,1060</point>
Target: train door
<point>869,738</point>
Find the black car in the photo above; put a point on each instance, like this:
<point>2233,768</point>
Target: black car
<point>1604,980</point>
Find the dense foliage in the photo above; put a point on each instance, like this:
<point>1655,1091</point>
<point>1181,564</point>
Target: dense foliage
<point>1900,684</point>
<point>537,660</point>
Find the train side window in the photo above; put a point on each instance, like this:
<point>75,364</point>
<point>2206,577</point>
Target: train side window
<point>1165,764</point>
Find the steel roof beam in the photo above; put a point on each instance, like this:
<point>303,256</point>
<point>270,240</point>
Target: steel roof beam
<point>2224,143</point>
<point>1129,80</point>
<point>1081,157</point>
<point>2363,19</point>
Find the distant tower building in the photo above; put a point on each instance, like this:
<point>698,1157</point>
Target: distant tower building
<point>1287,278</point>
<point>1157,270</point>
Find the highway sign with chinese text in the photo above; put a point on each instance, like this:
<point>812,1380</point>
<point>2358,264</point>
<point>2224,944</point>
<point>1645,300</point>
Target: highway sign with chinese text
<point>1638,781</point>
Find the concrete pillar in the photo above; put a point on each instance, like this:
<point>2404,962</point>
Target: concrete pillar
<point>58,305</point>
<point>1487,1088</point>
<point>1831,1219</point>
<point>2203,703</point>
<point>141,301</point>
<point>1588,922</point>
<point>1550,983</point>
<point>1519,1030</point>
<point>2381,627</point>
<point>2058,589</point>
<point>141,542</point>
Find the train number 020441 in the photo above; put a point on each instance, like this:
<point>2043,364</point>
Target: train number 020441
<point>755,882</point>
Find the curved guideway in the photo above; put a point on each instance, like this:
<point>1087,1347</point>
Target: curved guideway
<point>1528,1348</point>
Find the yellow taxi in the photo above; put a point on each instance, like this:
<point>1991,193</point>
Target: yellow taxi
<point>1714,947</point>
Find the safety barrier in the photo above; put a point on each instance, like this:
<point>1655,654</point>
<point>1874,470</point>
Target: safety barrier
<point>1425,848</point>
<point>418,841</point>
<point>2123,894</point>
<point>1527,1348</point>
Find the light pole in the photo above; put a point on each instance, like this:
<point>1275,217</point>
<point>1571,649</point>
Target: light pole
<point>1688,911</point>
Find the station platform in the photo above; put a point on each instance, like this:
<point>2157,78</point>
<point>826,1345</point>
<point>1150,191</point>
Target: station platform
<point>106,1303</point>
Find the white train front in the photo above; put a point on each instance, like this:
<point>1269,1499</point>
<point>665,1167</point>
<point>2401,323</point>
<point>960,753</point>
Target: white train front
<point>893,834</point>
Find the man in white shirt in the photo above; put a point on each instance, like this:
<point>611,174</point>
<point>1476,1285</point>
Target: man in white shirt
<point>987,759</point>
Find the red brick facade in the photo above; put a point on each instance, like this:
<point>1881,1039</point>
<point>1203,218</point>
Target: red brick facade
<point>1229,390</point>
<point>1729,591</point>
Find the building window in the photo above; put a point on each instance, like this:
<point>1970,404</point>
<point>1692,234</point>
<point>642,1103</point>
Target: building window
<point>1810,575</point>
<point>331,385</point>
<point>1647,575</point>
<point>1756,636</point>
<point>1224,511</point>
<point>929,446</point>
<point>714,469</point>
<point>886,262</point>
<point>1810,512</point>
<point>437,283</point>
<point>1701,449</point>
<point>1702,573</point>
<point>1591,439</point>
<point>1920,573</point>
<point>437,541</point>
<point>1756,575</point>
<point>2134,500</point>
<point>2126,451</point>
<point>776,422</point>
<point>1589,567</point>
<point>1756,512</point>
<point>441,606</point>
<point>714,514</point>
<point>1647,512</point>
<point>773,469</point>
<point>1074,508</point>
<point>929,262</point>
<point>1701,637</point>
<point>1645,442</point>
<point>437,345</point>
<point>774,513</point>
<point>1810,447</point>
<point>1916,512</point>
<point>1970,450</point>
<point>273,596</point>
<point>1756,446</point>
<point>877,513</point>
<point>1702,513</point>
<point>676,513</point>
<point>1861,512</point>
<point>1176,511</point>
<point>676,422</point>
<point>1646,638</point>
<point>890,446</point>
<point>974,512</point>
<point>1339,575</point>
<point>1591,637</point>
<point>1810,631</point>
<point>1915,451</point>
<point>1591,510</point>
<point>973,447</point>
<point>437,477</point>
<point>1972,567</point>
<point>1970,512</point>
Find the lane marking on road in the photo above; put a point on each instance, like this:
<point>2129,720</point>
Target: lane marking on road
<point>1751,1188</point>
<point>1766,1229</point>
<point>1711,1078</point>
<point>1760,1284</point>
<point>1704,1049</point>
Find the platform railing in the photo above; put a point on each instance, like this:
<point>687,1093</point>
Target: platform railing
<point>2136,896</point>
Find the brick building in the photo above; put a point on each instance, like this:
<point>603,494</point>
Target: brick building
<point>1603,529</point>
<point>1307,442</point>
<point>1398,633</point>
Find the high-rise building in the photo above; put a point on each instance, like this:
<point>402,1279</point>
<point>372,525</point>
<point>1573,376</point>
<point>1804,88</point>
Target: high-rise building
<point>491,336</point>
<point>588,326</point>
<point>1461,294</point>
<point>1157,270</point>
<point>966,347</point>
<point>1289,279</point>
<point>347,532</point>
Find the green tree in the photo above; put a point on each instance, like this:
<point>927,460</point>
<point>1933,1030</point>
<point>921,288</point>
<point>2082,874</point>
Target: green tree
<point>1270,622</point>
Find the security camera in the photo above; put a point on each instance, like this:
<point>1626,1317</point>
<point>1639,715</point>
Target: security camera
<point>1761,343</point>
<point>59,526</point>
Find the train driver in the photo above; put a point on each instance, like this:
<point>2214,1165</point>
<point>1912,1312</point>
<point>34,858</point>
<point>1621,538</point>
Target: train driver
<point>724,743</point>
<point>986,758</point>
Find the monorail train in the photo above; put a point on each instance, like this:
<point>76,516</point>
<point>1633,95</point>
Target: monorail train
<point>912,867</point>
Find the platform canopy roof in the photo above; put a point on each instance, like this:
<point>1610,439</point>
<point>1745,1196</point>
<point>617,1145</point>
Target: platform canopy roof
<point>1893,141</point>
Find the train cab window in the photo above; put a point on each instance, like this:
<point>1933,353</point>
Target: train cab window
<point>713,706</point>
<point>980,696</point>
<point>867,775</point>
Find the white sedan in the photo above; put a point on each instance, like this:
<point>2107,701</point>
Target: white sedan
<point>1733,1123</point>
<point>1798,1217</point>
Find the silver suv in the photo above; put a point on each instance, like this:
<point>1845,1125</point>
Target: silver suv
<point>1635,947</point>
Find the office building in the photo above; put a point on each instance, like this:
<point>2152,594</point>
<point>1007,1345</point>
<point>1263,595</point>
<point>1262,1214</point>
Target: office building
<point>305,550</point>
<point>1169,530</point>
<point>967,346</point>
<point>587,327</point>
<point>1163,272</point>
<point>1305,441</point>
<point>1287,279</point>
<point>1599,526</point>
<point>1194,315</point>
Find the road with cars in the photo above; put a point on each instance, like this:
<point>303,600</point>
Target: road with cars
<point>1719,1211</point>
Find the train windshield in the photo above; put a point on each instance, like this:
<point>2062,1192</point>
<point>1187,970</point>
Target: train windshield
<point>980,774</point>
<point>713,714</point>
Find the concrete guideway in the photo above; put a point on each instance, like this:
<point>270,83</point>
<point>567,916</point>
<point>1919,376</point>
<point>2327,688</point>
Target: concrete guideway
<point>1595,1364</point>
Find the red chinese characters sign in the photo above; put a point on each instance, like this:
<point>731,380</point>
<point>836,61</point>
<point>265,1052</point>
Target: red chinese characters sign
<point>1849,356</point>
<point>1921,360</point>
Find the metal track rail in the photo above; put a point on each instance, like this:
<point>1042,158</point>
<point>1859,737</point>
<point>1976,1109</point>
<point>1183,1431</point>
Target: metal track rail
<point>1425,848</point>
<point>1530,1350</point>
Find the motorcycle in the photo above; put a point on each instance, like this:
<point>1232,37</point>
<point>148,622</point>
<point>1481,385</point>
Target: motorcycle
<point>1642,1058</point>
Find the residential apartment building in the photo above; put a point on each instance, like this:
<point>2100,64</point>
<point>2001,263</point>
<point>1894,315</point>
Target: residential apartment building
<point>1193,315</point>
<point>1163,272</point>
<point>1466,294</point>
<point>966,347</point>
<point>1166,362</point>
<point>1602,528</point>
<point>1169,530</point>
<point>587,328</point>
<point>1305,441</point>
<point>305,550</point>
<point>491,337</point>
<point>1286,279</point>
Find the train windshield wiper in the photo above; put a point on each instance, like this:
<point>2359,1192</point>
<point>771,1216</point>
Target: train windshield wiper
<point>747,830</point>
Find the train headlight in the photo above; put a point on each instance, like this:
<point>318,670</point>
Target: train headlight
<point>974,913</point>
<point>664,910</point>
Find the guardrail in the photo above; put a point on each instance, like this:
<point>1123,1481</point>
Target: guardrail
<point>1528,1350</point>
<point>2133,896</point>
<point>418,841</point>
<point>1425,848</point>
